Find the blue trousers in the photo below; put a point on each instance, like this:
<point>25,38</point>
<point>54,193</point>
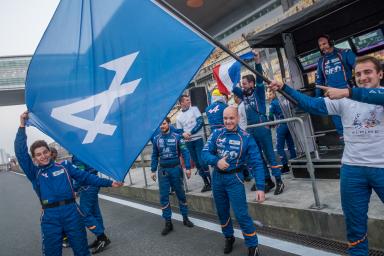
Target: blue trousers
<point>89,205</point>
<point>284,136</point>
<point>356,184</point>
<point>172,177</point>
<point>195,147</point>
<point>338,124</point>
<point>228,191</point>
<point>63,219</point>
<point>263,138</point>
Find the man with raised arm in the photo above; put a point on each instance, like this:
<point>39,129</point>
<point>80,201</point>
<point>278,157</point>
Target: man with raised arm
<point>362,162</point>
<point>52,183</point>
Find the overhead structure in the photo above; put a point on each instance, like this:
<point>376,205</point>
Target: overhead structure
<point>337,18</point>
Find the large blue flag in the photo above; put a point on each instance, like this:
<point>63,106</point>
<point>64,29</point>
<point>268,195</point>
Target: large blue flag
<point>106,73</point>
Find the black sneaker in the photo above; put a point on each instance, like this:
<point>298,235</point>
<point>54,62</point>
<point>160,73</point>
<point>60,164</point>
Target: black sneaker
<point>253,251</point>
<point>207,187</point>
<point>66,242</point>
<point>253,188</point>
<point>285,169</point>
<point>168,228</point>
<point>279,188</point>
<point>268,185</point>
<point>94,244</point>
<point>229,241</point>
<point>101,245</point>
<point>188,223</point>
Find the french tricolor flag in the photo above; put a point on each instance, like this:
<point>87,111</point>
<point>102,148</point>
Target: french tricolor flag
<point>227,74</point>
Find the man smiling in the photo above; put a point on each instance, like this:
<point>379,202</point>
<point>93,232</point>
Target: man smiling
<point>52,183</point>
<point>362,163</point>
<point>229,149</point>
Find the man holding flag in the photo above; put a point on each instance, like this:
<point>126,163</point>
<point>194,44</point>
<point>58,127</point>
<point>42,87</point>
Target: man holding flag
<point>52,183</point>
<point>254,101</point>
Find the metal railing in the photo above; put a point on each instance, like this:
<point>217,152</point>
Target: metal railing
<point>311,170</point>
<point>309,165</point>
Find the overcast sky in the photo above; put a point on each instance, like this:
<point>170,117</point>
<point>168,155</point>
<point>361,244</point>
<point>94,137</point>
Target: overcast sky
<point>22,24</point>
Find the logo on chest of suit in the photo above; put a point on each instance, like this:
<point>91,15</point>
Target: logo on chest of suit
<point>171,140</point>
<point>214,110</point>
<point>44,175</point>
<point>333,70</point>
<point>220,142</point>
<point>234,142</point>
<point>57,173</point>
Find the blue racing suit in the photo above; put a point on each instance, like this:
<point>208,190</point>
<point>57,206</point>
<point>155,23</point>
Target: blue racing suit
<point>171,128</point>
<point>228,185</point>
<point>335,70</point>
<point>167,148</point>
<point>215,115</point>
<point>282,132</point>
<point>362,169</point>
<point>89,201</point>
<point>53,185</point>
<point>368,95</point>
<point>255,109</point>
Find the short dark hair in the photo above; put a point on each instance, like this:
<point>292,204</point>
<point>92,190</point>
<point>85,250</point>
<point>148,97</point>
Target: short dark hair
<point>329,39</point>
<point>182,97</point>
<point>250,78</point>
<point>371,59</point>
<point>38,144</point>
<point>53,150</point>
<point>168,120</point>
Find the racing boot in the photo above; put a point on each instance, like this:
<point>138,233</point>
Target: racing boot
<point>187,222</point>
<point>207,185</point>
<point>253,251</point>
<point>268,185</point>
<point>94,244</point>
<point>229,241</point>
<point>285,169</point>
<point>168,228</point>
<point>279,187</point>
<point>102,243</point>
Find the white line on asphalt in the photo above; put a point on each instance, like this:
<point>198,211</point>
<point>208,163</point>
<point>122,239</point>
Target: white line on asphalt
<point>18,173</point>
<point>263,240</point>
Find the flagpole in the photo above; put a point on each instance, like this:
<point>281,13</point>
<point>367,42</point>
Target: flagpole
<point>221,46</point>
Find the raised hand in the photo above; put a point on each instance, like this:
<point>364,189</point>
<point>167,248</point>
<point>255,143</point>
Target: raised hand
<point>23,118</point>
<point>275,85</point>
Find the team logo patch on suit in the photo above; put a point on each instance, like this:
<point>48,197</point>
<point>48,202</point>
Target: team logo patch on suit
<point>57,173</point>
<point>234,142</point>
